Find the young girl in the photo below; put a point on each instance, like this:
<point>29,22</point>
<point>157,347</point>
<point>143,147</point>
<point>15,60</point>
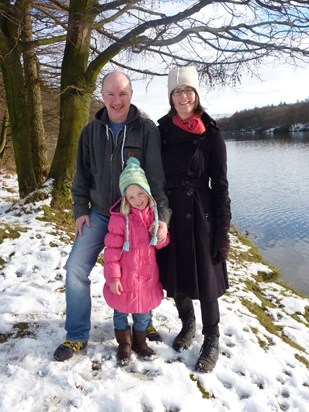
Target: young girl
<point>130,269</point>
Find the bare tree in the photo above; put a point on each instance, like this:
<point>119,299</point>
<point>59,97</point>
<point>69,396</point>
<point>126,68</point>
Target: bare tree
<point>11,23</point>
<point>223,39</point>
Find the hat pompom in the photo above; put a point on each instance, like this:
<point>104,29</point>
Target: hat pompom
<point>133,161</point>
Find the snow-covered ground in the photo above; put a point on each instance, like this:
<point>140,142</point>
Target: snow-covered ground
<point>257,371</point>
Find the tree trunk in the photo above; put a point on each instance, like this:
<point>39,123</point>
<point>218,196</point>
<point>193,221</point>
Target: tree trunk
<point>14,84</point>
<point>75,99</point>
<point>35,110</point>
<point>4,130</point>
<point>17,106</point>
<point>75,116</point>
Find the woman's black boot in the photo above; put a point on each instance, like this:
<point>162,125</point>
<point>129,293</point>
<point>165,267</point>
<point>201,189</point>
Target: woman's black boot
<point>209,354</point>
<point>184,338</point>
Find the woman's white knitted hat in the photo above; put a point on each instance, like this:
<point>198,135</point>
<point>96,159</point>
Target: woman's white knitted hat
<point>183,76</point>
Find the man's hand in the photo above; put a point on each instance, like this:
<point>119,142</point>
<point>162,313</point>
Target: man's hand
<point>79,224</point>
<point>116,287</point>
<point>162,231</point>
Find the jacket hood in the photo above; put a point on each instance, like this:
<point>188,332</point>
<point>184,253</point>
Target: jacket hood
<point>133,115</point>
<point>115,209</point>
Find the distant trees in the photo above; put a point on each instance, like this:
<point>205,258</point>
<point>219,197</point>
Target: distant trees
<point>69,44</point>
<point>259,119</point>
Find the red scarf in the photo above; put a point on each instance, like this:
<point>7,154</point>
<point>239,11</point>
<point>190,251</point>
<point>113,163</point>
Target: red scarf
<point>193,124</point>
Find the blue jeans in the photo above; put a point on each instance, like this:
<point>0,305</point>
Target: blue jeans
<point>81,261</point>
<point>140,321</point>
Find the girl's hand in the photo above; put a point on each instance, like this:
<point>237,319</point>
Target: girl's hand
<point>116,287</point>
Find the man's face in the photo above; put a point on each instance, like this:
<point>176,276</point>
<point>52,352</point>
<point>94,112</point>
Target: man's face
<point>117,95</point>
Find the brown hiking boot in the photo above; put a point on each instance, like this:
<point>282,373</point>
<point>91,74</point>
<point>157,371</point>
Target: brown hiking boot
<point>124,340</point>
<point>140,346</point>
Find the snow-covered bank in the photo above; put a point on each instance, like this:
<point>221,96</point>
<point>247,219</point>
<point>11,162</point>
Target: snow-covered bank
<point>263,364</point>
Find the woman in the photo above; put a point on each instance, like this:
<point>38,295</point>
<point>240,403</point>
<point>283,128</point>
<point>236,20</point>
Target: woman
<point>193,266</point>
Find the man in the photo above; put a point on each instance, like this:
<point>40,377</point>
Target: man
<point>117,133</point>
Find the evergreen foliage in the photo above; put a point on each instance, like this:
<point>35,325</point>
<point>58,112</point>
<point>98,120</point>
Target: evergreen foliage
<point>260,119</point>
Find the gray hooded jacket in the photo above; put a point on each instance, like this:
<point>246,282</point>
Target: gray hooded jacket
<point>99,163</point>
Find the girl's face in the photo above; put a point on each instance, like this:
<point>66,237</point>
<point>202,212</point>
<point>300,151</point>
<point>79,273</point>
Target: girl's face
<point>137,197</point>
<point>184,99</point>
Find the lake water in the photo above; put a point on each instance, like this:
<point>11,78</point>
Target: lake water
<point>269,190</point>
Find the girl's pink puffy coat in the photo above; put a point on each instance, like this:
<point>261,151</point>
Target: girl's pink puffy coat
<point>137,269</point>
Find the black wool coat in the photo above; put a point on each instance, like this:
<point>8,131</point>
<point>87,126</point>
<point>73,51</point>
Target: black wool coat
<point>195,167</point>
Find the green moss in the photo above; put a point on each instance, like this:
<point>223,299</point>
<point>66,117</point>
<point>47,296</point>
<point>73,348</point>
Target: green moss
<point>302,360</point>
<point>36,196</point>
<point>10,232</point>
<point>272,276</point>
<point>2,262</point>
<point>205,394</point>
<point>22,330</point>
<point>263,343</point>
<point>262,316</point>
<point>63,219</point>
<point>267,321</point>
<point>4,337</point>
<point>254,287</point>
<point>299,317</point>
<point>290,342</point>
<point>307,313</point>
<point>61,195</point>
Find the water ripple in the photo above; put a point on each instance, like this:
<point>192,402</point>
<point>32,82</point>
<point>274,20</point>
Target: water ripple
<point>269,190</point>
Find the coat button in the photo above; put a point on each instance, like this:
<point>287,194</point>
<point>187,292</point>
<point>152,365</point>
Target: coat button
<point>188,216</point>
<point>189,193</point>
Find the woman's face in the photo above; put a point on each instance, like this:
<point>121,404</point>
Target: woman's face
<point>184,100</point>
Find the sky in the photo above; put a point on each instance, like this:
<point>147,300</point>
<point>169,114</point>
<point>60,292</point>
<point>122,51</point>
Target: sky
<point>278,84</point>
<point>256,372</point>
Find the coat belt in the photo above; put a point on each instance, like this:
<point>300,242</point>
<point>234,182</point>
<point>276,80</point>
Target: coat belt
<point>186,182</point>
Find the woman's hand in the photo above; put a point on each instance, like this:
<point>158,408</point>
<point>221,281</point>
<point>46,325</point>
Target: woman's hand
<point>221,246</point>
